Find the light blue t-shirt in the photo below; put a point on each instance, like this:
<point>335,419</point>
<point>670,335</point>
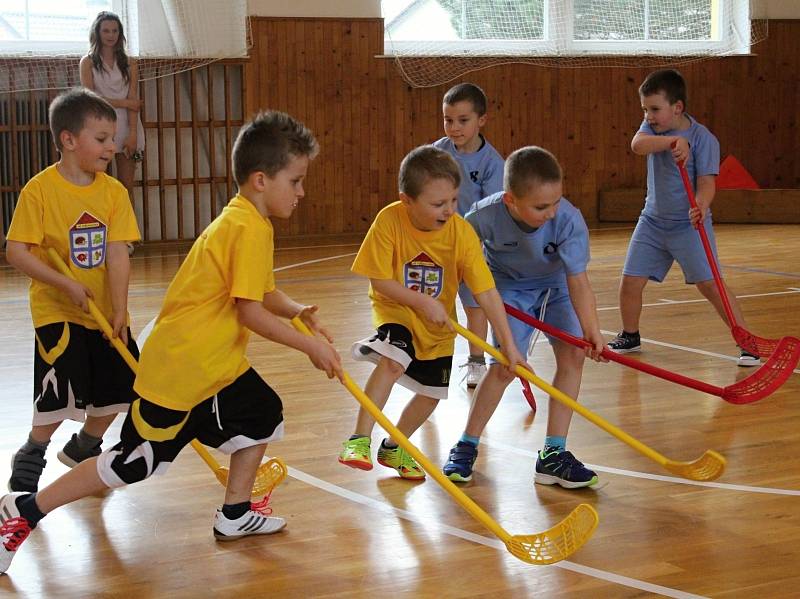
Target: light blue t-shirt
<point>481,172</point>
<point>666,196</point>
<point>541,258</point>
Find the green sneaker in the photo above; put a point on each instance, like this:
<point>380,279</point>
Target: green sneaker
<point>397,458</point>
<point>356,453</point>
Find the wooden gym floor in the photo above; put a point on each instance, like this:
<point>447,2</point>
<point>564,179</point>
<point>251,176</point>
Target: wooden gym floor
<point>364,534</point>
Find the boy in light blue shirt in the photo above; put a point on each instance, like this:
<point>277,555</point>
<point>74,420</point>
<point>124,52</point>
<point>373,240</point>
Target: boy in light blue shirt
<point>464,109</point>
<point>537,247</point>
<point>667,227</point>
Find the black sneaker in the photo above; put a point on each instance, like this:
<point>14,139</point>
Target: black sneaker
<point>26,468</point>
<point>747,359</point>
<point>72,454</point>
<point>625,343</point>
<point>459,465</point>
<point>564,469</point>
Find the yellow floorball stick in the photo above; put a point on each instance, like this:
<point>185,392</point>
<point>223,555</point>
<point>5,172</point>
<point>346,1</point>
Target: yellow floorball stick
<point>269,475</point>
<point>550,546</point>
<point>708,466</point>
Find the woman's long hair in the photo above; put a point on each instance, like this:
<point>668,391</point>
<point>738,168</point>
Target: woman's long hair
<point>119,50</point>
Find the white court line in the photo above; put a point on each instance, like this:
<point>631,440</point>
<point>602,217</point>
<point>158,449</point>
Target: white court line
<point>645,475</point>
<point>692,350</point>
<point>494,543</point>
<point>665,302</point>
<point>288,266</point>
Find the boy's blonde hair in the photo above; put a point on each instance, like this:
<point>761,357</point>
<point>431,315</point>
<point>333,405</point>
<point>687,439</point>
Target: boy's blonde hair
<point>268,142</point>
<point>423,164</point>
<point>528,167</point>
<point>69,111</point>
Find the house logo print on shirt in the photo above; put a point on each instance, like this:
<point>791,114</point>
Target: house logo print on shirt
<point>87,242</point>
<point>424,275</point>
<point>474,176</point>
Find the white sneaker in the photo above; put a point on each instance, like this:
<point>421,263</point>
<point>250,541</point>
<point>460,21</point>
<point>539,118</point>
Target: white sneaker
<point>251,523</point>
<point>14,529</point>
<point>475,372</point>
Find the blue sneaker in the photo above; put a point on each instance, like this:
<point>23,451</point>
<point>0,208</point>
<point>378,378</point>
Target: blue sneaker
<point>459,465</point>
<point>563,468</point>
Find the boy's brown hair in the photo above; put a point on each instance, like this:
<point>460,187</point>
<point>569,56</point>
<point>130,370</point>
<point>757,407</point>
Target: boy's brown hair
<point>528,167</point>
<point>69,111</point>
<point>423,164</point>
<point>667,81</point>
<point>469,92</point>
<point>268,142</point>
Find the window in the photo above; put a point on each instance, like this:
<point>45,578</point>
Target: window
<point>565,27</point>
<point>38,27</point>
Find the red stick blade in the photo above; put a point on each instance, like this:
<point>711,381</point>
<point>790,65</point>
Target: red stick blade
<point>754,344</point>
<point>769,377</point>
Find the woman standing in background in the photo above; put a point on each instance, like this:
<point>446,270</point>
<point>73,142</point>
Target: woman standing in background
<point>108,71</point>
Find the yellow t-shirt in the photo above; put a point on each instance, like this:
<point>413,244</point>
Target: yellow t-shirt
<point>198,345</point>
<point>431,262</point>
<point>78,222</point>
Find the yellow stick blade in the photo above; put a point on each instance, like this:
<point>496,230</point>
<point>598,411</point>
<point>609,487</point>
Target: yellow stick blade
<point>268,476</point>
<point>708,466</point>
<point>558,542</point>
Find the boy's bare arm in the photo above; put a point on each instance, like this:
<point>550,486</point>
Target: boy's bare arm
<point>704,195</point>
<point>119,276</point>
<point>257,318</point>
<point>20,257</point>
<point>583,300</point>
<point>645,143</point>
<point>280,304</point>
<point>429,308</point>
<point>492,305</point>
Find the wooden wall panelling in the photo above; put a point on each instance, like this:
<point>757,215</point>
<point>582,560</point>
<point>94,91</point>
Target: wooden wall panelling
<point>162,207</point>
<point>176,101</point>
<point>195,151</point>
<point>325,72</point>
<point>212,155</point>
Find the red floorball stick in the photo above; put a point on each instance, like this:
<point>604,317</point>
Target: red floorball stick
<point>760,384</point>
<point>528,393</point>
<point>744,338</point>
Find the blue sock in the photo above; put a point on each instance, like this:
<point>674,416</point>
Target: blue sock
<point>465,438</point>
<point>555,444</point>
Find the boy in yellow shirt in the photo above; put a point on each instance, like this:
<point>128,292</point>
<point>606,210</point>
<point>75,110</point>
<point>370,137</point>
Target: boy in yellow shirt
<point>415,254</point>
<point>85,215</point>
<point>194,380</point>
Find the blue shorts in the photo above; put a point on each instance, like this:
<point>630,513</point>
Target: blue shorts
<point>656,244</point>
<point>467,299</point>
<point>558,313</point>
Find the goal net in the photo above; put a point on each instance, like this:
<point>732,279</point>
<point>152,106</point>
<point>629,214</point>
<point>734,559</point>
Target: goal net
<point>435,41</point>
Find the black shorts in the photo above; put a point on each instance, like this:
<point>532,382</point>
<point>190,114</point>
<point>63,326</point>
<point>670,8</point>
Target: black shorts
<point>245,413</point>
<point>78,373</point>
<point>426,377</point>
